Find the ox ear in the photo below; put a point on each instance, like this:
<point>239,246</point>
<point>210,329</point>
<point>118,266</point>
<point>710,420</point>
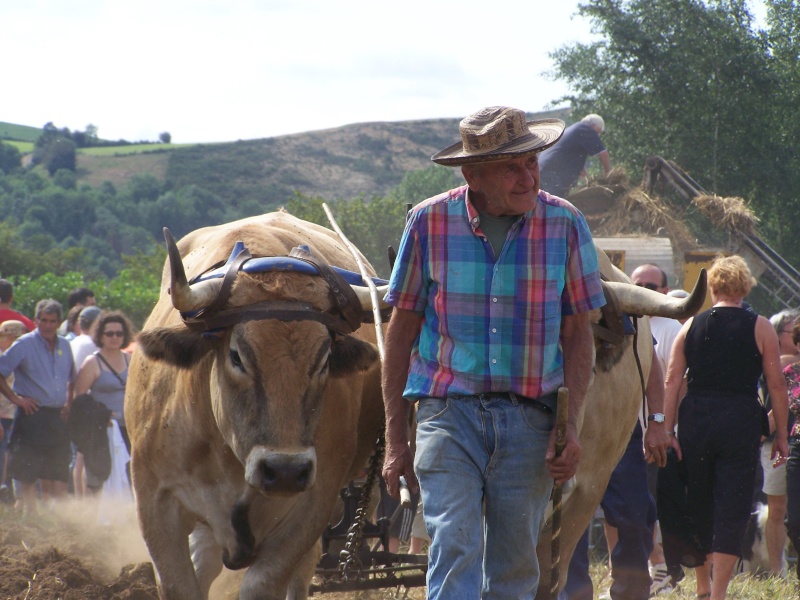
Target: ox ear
<point>179,347</point>
<point>350,354</point>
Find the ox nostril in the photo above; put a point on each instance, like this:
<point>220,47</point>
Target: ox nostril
<point>304,476</point>
<point>269,474</point>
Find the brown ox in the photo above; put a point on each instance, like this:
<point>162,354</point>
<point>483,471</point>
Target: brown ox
<point>243,437</point>
<point>610,410</point>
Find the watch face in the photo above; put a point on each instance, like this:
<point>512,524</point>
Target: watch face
<point>657,417</point>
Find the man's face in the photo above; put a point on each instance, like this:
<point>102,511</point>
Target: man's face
<point>507,187</point>
<point>47,324</point>
<point>649,277</point>
<point>90,301</point>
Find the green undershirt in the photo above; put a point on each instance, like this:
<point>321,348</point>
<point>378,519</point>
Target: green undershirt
<point>496,229</point>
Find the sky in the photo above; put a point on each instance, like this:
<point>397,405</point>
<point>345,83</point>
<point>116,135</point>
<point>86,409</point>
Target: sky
<point>225,70</point>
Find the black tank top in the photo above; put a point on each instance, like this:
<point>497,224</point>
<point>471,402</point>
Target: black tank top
<point>721,352</point>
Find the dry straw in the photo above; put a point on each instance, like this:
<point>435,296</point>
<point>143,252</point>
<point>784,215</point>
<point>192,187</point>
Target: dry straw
<point>731,214</point>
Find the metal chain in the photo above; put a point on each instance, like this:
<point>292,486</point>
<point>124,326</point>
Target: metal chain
<point>349,561</point>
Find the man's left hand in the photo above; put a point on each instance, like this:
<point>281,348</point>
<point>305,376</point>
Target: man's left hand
<point>656,442</point>
<point>564,467</point>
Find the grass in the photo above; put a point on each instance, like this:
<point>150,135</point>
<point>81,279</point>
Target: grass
<point>95,169</point>
<point>127,150</point>
<point>742,586</point>
<point>23,147</point>
<point>10,131</point>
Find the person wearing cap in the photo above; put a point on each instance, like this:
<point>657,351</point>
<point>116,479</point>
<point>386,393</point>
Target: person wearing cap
<point>43,376</point>
<point>6,312</point>
<point>562,164</point>
<point>9,332</point>
<point>491,291</point>
<point>83,345</point>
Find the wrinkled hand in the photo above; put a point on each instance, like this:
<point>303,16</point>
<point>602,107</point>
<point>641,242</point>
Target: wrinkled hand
<point>656,442</point>
<point>28,405</point>
<point>398,462</point>
<point>780,452</point>
<point>564,467</point>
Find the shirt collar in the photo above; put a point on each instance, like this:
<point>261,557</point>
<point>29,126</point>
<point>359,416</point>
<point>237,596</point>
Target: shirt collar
<point>474,216</point>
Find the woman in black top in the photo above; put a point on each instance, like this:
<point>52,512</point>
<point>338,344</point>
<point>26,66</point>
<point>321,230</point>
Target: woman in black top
<point>719,420</point>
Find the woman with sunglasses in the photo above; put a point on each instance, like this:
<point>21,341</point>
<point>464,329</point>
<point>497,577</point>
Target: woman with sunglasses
<point>104,373</point>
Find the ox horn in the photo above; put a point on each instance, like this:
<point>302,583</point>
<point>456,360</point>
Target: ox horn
<point>185,297</point>
<point>365,297</point>
<point>635,300</point>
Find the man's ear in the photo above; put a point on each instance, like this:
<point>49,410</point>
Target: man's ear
<point>470,173</point>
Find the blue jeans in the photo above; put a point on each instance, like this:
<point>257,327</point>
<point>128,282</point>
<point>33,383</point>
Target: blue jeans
<point>485,487</point>
<point>630,508</point>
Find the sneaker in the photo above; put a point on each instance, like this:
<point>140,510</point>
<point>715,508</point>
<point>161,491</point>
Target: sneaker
<point>662,583</point>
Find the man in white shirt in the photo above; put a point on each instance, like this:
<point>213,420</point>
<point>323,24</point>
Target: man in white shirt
<point>664,330</point>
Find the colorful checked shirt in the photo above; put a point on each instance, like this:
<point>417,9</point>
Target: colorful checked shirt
<point>492,325</point>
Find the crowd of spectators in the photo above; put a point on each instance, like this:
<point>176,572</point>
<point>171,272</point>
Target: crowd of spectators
<point>53,373</point>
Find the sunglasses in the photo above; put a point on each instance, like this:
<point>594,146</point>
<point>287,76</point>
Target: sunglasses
<point>114,333</point>
<point>649,286</point>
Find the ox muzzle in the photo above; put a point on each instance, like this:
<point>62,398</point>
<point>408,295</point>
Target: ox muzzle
<point>273,472</point>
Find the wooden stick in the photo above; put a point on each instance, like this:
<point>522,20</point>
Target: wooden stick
<point>562,413</point>
<point>373,291</point>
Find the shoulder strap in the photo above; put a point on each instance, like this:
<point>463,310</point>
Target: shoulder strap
<point>110,368</point>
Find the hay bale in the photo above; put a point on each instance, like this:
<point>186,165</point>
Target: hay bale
<point>731,214</point>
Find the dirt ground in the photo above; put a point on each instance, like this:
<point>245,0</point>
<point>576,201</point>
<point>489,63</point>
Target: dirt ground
<point>65,554</point>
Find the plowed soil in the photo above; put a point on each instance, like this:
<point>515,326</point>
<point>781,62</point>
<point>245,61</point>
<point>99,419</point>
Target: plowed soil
<point>65,553</point>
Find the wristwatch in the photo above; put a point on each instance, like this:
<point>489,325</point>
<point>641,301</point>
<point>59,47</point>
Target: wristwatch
<point>656,417</point>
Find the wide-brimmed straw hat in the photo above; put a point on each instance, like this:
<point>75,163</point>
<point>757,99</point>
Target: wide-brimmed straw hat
<point>12,327</point>
<point>499,133</point>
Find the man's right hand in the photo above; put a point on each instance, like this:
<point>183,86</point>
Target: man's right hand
<point>28,405</point>
<point>398,462</point>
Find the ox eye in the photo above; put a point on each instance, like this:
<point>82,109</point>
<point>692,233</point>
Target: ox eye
<point>236,360</point>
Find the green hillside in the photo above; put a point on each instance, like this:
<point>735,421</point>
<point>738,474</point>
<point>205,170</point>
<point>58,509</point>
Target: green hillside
<point>366,159</point>
<point>19,133</point>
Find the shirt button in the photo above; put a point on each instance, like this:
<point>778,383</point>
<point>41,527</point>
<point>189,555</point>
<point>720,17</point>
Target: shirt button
<point>494,361</point>
<point>494,329</point>
<point>494,299</point>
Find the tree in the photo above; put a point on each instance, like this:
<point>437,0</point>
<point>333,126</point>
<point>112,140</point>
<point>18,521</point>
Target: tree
<point>10,158</point>
<point>61,154</point>
<point>165,137</point>
<point>694,82</point>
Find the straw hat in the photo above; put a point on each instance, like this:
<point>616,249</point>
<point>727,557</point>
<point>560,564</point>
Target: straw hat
<point>11,327</point>
<point>499,133</point>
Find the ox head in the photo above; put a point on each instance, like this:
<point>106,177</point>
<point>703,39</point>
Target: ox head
<point>624,298</point>
<point>264,356</point>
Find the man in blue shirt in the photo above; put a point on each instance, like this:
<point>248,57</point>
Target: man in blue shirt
<point>562,164</point>
<point>44,372</point>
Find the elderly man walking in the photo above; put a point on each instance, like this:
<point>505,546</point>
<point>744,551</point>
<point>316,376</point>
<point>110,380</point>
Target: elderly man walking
<point>43,375</point>
<point>491,288</point>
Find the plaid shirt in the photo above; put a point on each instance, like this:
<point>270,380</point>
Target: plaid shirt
<point>492,326</point>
